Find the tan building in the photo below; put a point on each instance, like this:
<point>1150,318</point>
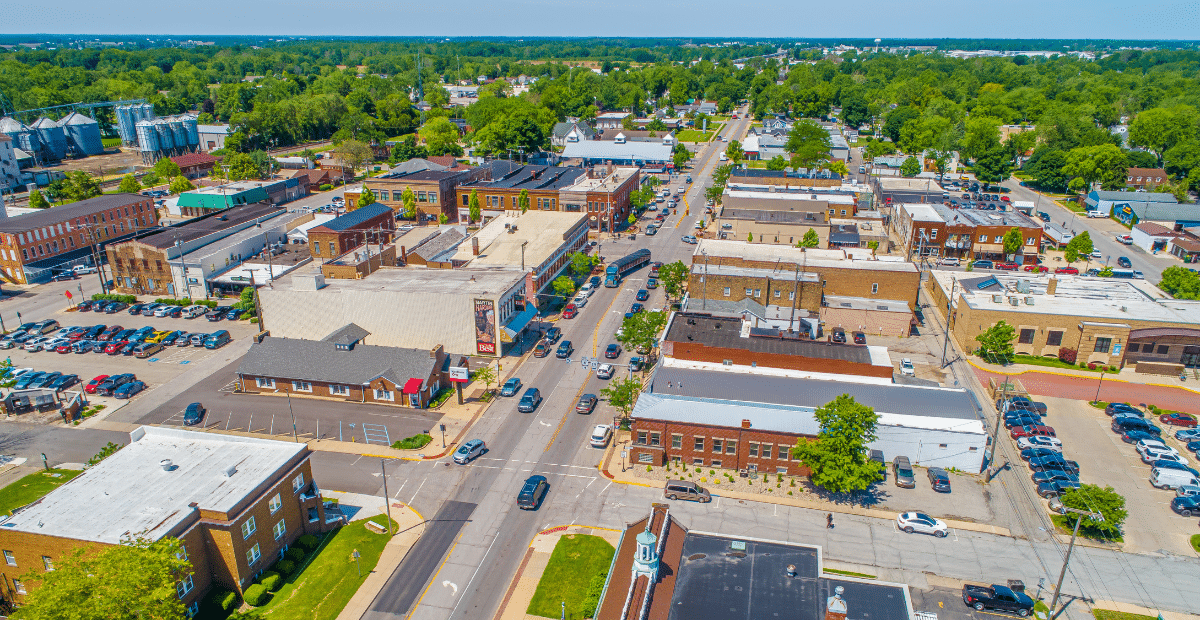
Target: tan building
<point>235,503</point>
<point>1105,321</point>
<point>763,218</point>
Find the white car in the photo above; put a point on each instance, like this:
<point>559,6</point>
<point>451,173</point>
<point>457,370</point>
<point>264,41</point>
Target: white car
<point>83,269</point>
<point>192,312</point>
<point>1097,254</point>
<point>580,300</point>
<point>164,310</point>
<point>689,239</point>
<point>909,522</point>
<point>1125,239</point>
<point>1156,444</point>
<point>35,344</point>
<point>1096,213</point>
<point>605,371</point>
<point>906,367</point>
<point>1162,455</point>
<point>949,261</point>
<point>1052,443</point>
<point>600,435</point>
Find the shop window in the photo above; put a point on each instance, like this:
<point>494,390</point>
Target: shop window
<point>1162,349</point>
<point>645,457</point>
<point>1133,348</point>
<point>1027,336</point>
<point>1054,338</point>
<point>1102,345</point>
<point>717,446</point>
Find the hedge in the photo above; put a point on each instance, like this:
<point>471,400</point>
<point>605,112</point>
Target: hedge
<point>284,567</point>
<point>228,600</point>
<point>295,555</point>
<point>325,187</point>
<point>308,541</point>
<point>128,299</point>
<point>256,595</point>
<point>271,580</point>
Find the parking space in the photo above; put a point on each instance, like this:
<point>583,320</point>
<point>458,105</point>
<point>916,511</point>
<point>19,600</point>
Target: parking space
<point>1105,460</point>
<point>947,604</point>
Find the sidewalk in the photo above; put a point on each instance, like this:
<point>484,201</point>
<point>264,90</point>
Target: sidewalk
<point>412,525</point>
<point>525,581</point>
<point>629,477</point>
<point>1126,375</point>
<point>1126,386</point>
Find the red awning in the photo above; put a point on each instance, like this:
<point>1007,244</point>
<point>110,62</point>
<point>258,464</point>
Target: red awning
<point>412,386</point>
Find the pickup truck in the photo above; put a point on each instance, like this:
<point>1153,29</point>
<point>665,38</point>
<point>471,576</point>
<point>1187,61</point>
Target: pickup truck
<point>997,597</point>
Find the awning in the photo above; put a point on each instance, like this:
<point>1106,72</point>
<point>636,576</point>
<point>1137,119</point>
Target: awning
<point>517,323</point>
<point>412,386</point>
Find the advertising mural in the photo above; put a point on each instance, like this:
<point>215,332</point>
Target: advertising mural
<point>485,326</point>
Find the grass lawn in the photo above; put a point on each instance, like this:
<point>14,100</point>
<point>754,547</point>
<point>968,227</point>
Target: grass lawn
<point>694,135</point>
<point>1052,362</point>
<point>33,487</point>
<point>1107,614</point>
<point>1196,542</point>
<point>110,143</point>
<point>576,560</point>
<point>324,587</point>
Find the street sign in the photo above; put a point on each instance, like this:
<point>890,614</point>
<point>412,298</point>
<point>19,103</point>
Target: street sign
<point>595,364</point>
<point>459,373</point>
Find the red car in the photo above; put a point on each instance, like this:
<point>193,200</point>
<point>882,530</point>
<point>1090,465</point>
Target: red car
<point>570,311</point>
<point>1036,268</point>
<point>1007,266</point>
<point>1071,270</point>
<point>90,388</point>
<point>115,347</point>
<point>1031,430</point>
<point>1004,199</point>
<point>63,348</point>
<point>1178,419</point>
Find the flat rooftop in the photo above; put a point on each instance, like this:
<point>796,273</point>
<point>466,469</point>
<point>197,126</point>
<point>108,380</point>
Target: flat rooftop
<point>787,256</point>
<point>129,493</point>
<point>997,218</point>
<point>727,333</point>
<point>899,184</point>
<point>762,199</point>
<point>1106,299</point>
<point>500,240</point>
<point>458,282</point>
<point>754,272</point>
<point>211,224</point>
<point>921,212</point>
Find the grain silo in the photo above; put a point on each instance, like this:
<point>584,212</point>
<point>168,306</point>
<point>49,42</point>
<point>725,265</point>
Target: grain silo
<point>179,133</point>
<point>166,138</point>
<point>147,139</point>
<point>193,131</point>
<point>126,124</point>
<point>82,133</point>
<point>54,141</point>
<point>146,112</point>
<point>23,137</point>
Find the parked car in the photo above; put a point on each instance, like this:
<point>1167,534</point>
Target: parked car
<point>690,239</point>
<point>128,390</point>
<point>1178,419</point>
<point>1053,475</point>
<point>1040,441</point>
<point>907,368</point>
<point>511,387</point>
<point>532,492</point>
<point>686,490</point>
<point>1054,462</point>
<point>1007,266</point>
<point>553,334</point>
<point>529,400</point>
<point>564,350</point>
<point>642,295</point>
<point>192,312</point>
<point>902,473</point>
<point>107,386</point>
<point>910,522</point>
<point>586,404</point>
<point>1112,408</point>
<point>146,349</point>
<point>1166,478</point>
<point>601,433</point>
<point>1123,261</point>
<point>613,351</point>
<point>939,480</point>
<point>860,338</point>
<point>1186,506</point>
<point>983,264</point>
<point>839,335</point>
<point>570,311</point>
<point>193,414</point>
<point>469,451</point>
<point>1190,434</point>
<point>234,314</point>
<point>542,349</point>
<point>217,340</point>
<point>197,339</point>
<point>26,379</point>
<point>1066,270</point>
<point>997,597</point>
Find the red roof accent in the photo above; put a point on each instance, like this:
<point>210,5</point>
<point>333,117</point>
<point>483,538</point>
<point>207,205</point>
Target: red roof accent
<point>193,159</point>
<point>412,386</point>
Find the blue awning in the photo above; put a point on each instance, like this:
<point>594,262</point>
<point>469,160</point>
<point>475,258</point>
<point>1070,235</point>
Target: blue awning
<point>517,323</point>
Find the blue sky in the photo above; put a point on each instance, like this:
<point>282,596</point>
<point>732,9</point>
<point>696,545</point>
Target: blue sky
<point>1016,19</point>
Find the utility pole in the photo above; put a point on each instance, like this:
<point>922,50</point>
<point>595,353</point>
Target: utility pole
<point>704,288</point>
<point>949,309</point>
<point>1079,515</point>
<point>257,305</point>
<point>387,499</point>
<point>992,470</point>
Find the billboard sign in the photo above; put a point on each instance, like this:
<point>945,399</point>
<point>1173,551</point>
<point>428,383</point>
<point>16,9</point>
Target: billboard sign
<point>485,326</point>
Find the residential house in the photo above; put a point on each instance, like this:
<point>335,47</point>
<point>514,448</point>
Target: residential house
<point>1145,178</point>
<point>195,165</point>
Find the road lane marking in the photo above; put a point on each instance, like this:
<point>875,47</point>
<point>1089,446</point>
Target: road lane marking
<point>445,558</point>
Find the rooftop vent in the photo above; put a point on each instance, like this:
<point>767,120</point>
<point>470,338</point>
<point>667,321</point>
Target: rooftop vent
<point>230,471</point>
<point>1014,301</point>
<point>166,464</point>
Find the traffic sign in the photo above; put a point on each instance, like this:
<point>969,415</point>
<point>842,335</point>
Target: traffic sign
<point>584,362</point>
<point>567,360</point>
<point>595,364</point>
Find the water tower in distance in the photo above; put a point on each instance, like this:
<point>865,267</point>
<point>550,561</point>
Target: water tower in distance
<point>876,46</point>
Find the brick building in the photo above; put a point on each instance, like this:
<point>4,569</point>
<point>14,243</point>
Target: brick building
<point>143,266</point>
<point>341,366</point>
<point>236,504</point>
<point>1102,320</point>
<point>934,230</point>
<point>433,190</point>
<point>726,416</point>
<point>604,195</point>
<point>34,245</point>
<point>375,224</point>
<point>502,182</point>
<point>195,165</point>
<point>781,219</point>
<point>1143,178</point>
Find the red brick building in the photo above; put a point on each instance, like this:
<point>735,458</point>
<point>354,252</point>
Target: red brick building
<point>195,165</point>
<point>374,223</point>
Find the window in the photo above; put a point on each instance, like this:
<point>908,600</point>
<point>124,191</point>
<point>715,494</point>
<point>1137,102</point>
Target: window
<point>781,470</point>
<point>766,450</point>
<point>778,293</point>
<point>1027,336</point>
<point>248,528</point>
<point>184,586</point>
<point>783,452</point>
<point>332,249</point>
<point>1054,338</point>
<point>339,390</point>
<point>275,504</point>
<point>726,288</point>
<point>433,197</point>
<point>384,194</point>
<point>384,395</point>
<point>983,238</point>
<point>297,483</point>
<point>193,609</point>
<point>697,445</point>
<point>731,447</point>
<point>749,291</point>
<point>1030,241</point>
<point>466,200</point>
<point>1133,348</point>
<point>1162,349</point>
<point>253,554</point>
<point>264,382</point>
<point>792,296</point>
<point>753,449</point>
<point>698,462</point>
<point>279,530</point>
<point>1102,345</point>
<point>874,288</point>
<point>9,558</point>
<point>655,439</point>
<point>717,444</point>
<point>716,463</point>
<point>933,234</point>
<point>18,586</point>
<point>757,292</point>
<point>48,563</point>
<point>676,442</point>
<point>301,386</point>
<point>421,196</point>
<point>645,457</point>
<point>999,239</point>
<point>182,554</point>
<point>641,437</point>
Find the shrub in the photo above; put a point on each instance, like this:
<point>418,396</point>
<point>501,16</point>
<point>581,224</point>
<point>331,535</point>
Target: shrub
<point>228,600</point>
<point>591,599</point>
<point>1091,365</point>
<point>415,442</point>
<point>295,555</point>
<point>649,468</point>
<point>256,595</point>
<point>1068,355</point>
<point>129,299</point>
<point>325,187</point>
<point>271,580</point>
<point>308,541</point>
<point>285,567</point>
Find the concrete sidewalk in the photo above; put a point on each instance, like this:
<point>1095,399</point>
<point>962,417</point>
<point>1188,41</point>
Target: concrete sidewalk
<point>524,583</point>
<point>629,477</point>
<point>411,526</point>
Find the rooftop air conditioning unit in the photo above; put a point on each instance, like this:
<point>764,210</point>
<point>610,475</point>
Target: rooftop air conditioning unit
<point>1029,301</point>
<point>998,299</point>
<point>1014,301</point>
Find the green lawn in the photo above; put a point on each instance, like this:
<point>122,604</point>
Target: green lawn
<point>324,587</point>
<point>1196,542</point>
<point>1107,614</point>
<point>576,561</point>
<point>32,487</point>
<point>1052,362</point>
<point>694,135</point>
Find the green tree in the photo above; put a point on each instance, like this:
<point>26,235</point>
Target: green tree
<point>563,286</point>
<point>150,179</point>
<point>1092,498</point>
<point>134,580</point>
<point>1013,241</point>
<point>622,394</point>
<point>1045,166</point>
<point>734,152</point>
<point>1088,164</point>
<point>166,168</point>
<point>241,167</point>
<point>810,239</point>
<point>777,163</point>
<point>474,213</point>
<point>672,276</point>
<point>353,154</point>
<point>641,330</point>
<point>839,168</point>
<point>367,197</point>
<point>582,264</point>
<point>181,184</point>
<point>911,167</point>
<point>443,219</point>
<point>1180,282</point>
<point>129,185</point>
<point>878,148</point>
<point>996,342</point>
<point>246,300</point>
<point>680,159</point>
<point>981,135</point>
<point>80,185</point>
<point>37,200</point>
<point>487,375</point>
<point>523,200</point>
<point>994,166</point>
<point>441,137</point>
<point>1160,129</point>
<point>1079,245</point>
<point>408,204</point>
<point>809,144</point>
<point>838,456</point>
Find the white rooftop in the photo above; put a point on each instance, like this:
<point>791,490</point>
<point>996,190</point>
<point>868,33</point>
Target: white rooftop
<point>844,199</point>
<point>851,258</point>
<point>482,282</point>
<point>542,231</point>
<point>130,494</point>
<point>921,212</point>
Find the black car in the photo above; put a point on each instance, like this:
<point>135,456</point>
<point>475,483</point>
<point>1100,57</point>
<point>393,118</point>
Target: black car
<point>1054,475</point>
<point>532,493</point>
<point>1056,488</point>
<point>553,334</point>
<point>1186,506</point>
<point>216,314</point>
<point>642,295</point>
<point>1112,408</point>
<point>613,351</point>
<point>594,281</point>
<point>106,388</point>
<point>564,350</point>
<point>1136,436</point>
<point>85,305</point>
<point>194,414</point>
<point>530,400</point>
<point>136,309</point>
<point>1020,420</point>
<point>64,276</point>
<point>114,307</point>
<point>234,314</point>
<point>1033,453</point>
<point>1042,215</point>
<point>860,338</point>
<point>839,335</point>
<point>1050,463</point>
<point>939,480</point>
<point>63,382</point>
<point>1123,261</point>
<point>1122,425</point>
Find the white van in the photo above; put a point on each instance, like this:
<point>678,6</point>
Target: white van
<point>192,312</point>
<point>1161,478</point>
<point>1096,213</point>
<point>587,289</point>
<point>724,157</point>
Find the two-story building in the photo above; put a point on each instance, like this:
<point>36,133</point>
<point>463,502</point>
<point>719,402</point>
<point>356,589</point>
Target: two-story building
<point>374,223</point>
<point>500,187</point>
<point>433,190</point>
<point>935,230</point>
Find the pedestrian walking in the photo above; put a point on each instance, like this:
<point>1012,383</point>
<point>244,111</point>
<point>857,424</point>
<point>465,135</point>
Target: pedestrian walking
<point>829,521</point>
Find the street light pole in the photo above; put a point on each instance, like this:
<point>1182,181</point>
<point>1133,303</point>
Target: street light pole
<point>1080,514</point>
<point>387,499</point>
<point>1098,385</point>
<point>295,436</point>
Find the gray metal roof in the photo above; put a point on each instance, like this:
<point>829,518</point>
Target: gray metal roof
<point>439,244</point>
<point>634,151</point>
<point>1131,197</point>
<point>800,392</point>
<point>315,360</point>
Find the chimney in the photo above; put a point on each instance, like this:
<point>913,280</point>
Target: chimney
<point>474,246</point>
<point>403,255</point>
<point>1051,286</point>
<point>745,423</point>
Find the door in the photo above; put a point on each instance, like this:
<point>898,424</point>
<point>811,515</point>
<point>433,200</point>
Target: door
<point>1191,357</point>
